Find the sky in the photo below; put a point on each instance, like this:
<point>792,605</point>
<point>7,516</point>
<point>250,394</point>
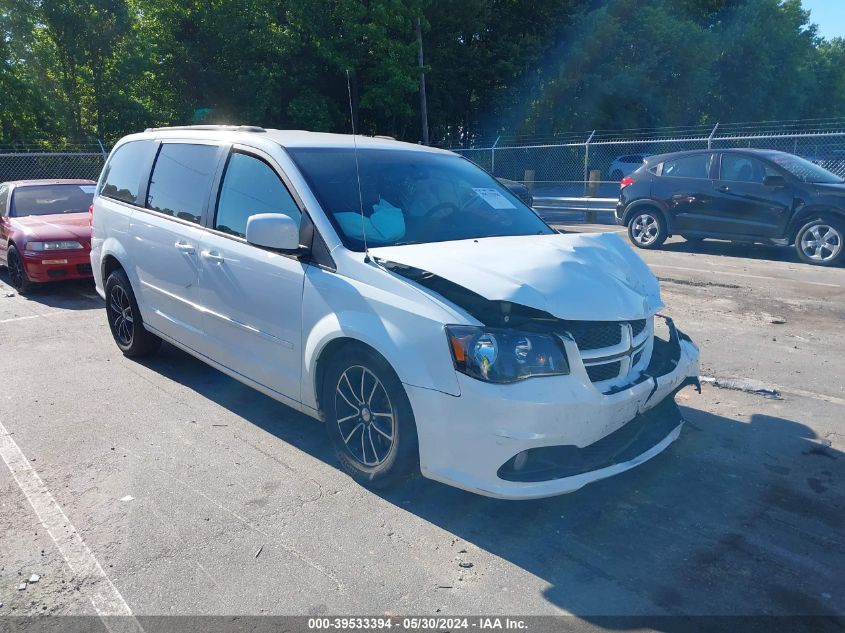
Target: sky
<point>829,15</point>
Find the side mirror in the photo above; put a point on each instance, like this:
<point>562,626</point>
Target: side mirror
<point>273,230</point>
<point>774,181</point>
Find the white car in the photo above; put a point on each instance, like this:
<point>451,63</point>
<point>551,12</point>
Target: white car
<point>625,165</point>
<point>397,292</point>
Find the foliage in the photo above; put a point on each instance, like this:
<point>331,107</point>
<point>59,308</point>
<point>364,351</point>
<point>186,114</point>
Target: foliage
<point>76,70</point>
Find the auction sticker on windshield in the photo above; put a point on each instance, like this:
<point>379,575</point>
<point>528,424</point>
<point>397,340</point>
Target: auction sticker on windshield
<point>494,198</point>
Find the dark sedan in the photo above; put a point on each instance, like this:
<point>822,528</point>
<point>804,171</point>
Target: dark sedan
<point>741,195</point>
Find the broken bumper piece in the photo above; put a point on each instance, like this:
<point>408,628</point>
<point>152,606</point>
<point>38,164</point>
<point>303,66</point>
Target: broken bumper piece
<point>549,436</point>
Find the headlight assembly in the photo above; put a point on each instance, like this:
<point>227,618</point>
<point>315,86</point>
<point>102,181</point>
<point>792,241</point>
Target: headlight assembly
<point>55,245</point>
<point>504,356</point>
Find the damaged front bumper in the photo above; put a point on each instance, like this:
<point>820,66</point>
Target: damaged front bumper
<point>552,435</point>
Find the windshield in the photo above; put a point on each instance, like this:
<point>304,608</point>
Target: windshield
<point>804,170</point>
<point>411,197</point>
<point>51,199</point>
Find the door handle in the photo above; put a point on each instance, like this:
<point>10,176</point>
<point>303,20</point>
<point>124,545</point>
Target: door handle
<point>723,188</point>
<point>213,256</point>
<point>184,247</point>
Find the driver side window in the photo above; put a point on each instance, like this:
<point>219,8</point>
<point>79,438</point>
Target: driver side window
<point>250,186</point>
<point>739,168</point>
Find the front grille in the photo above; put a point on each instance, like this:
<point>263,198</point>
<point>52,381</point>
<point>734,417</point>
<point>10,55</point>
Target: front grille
<point>598,373</point>
<point>637,327</point>
<point>636,358</point>
<point>84,269</point>
<point>595,334</point>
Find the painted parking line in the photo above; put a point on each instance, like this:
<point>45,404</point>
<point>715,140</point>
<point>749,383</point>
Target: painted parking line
<point>102,593</point>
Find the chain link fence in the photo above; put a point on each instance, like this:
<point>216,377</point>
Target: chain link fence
<point>591,164</point>
<point>17,163</point>
<point>571,165</point>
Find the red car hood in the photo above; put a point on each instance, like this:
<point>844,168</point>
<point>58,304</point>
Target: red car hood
<point>63,226</point>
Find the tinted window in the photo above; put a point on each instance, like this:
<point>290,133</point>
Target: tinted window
<point>697,166</point>
<point>411,197</point>
<point>51,199</point>
<point>250,186</point>
<point>122,176</point>
<point>181,180</point>
<point>739,168</point>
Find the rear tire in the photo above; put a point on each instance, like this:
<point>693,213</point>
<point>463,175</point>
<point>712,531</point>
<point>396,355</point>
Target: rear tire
<point>124,318</point>
<point>369,418</point>
<point>17,271</point>
<point>647,228</point>
<point>822,241</point>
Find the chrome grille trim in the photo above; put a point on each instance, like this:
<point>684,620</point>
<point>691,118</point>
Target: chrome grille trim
<point>620,358</point>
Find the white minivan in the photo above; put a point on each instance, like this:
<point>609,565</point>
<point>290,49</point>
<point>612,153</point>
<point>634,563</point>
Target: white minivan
<point>400,294</point>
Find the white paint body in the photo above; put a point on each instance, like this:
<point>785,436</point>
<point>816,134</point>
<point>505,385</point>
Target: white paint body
<point>265,318</point>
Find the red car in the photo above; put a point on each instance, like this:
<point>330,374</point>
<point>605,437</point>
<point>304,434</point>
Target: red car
<point>45,230</point>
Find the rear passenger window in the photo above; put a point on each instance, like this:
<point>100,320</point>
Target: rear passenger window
<point>697,166</point>
<point>250,186</point>
<point>122,176</point>
<point>181,180</point>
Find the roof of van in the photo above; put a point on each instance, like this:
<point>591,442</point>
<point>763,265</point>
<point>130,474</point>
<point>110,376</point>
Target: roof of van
<point>288,138</point>
<point>49,181</point>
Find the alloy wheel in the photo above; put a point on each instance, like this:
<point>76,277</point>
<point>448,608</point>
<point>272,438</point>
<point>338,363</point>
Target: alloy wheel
<point>121,309</point>
<point>365,416</point>
<point>645,229</point>
<point>16,272</point>
<point>821,243</point>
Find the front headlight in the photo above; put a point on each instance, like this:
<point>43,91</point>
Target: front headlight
<point>503,356</point>
<point>56,245</point>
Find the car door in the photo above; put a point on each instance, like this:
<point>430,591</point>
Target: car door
<point>252,296</point>
<point>743,204</point>
<point>166,238</point>
<point>684,184</point>
<point>5,222</point>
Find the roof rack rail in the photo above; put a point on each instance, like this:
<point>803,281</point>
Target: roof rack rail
<point>389,138</point>
<point>218,128</point>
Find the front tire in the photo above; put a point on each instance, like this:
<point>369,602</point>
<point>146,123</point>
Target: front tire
<point>369,418</point>
<point>821,241</point>
<point>17,271</point>
<point>124,318</point>
<point>647,229</point>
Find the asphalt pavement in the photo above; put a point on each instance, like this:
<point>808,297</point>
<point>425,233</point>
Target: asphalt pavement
<point>163,487</point>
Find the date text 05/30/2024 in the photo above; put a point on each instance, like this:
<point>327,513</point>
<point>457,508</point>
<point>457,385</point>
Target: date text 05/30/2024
<point>417,624</point>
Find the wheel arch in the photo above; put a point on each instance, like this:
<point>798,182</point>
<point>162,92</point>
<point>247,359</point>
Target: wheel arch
<point>404,349</point>
<point>807,214</point>
<point>109,264</point>
<point>649,203</point>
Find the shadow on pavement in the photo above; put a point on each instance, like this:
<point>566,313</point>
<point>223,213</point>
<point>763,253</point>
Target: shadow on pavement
<point>735,249</point>
<point>735,518</point>
<point>73,294</point>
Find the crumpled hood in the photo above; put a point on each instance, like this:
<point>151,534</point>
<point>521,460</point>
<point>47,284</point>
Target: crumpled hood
<point>582,277</point>
<point>65,226</point>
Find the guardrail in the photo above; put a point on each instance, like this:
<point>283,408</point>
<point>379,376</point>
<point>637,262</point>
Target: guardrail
<point>567,208</point>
